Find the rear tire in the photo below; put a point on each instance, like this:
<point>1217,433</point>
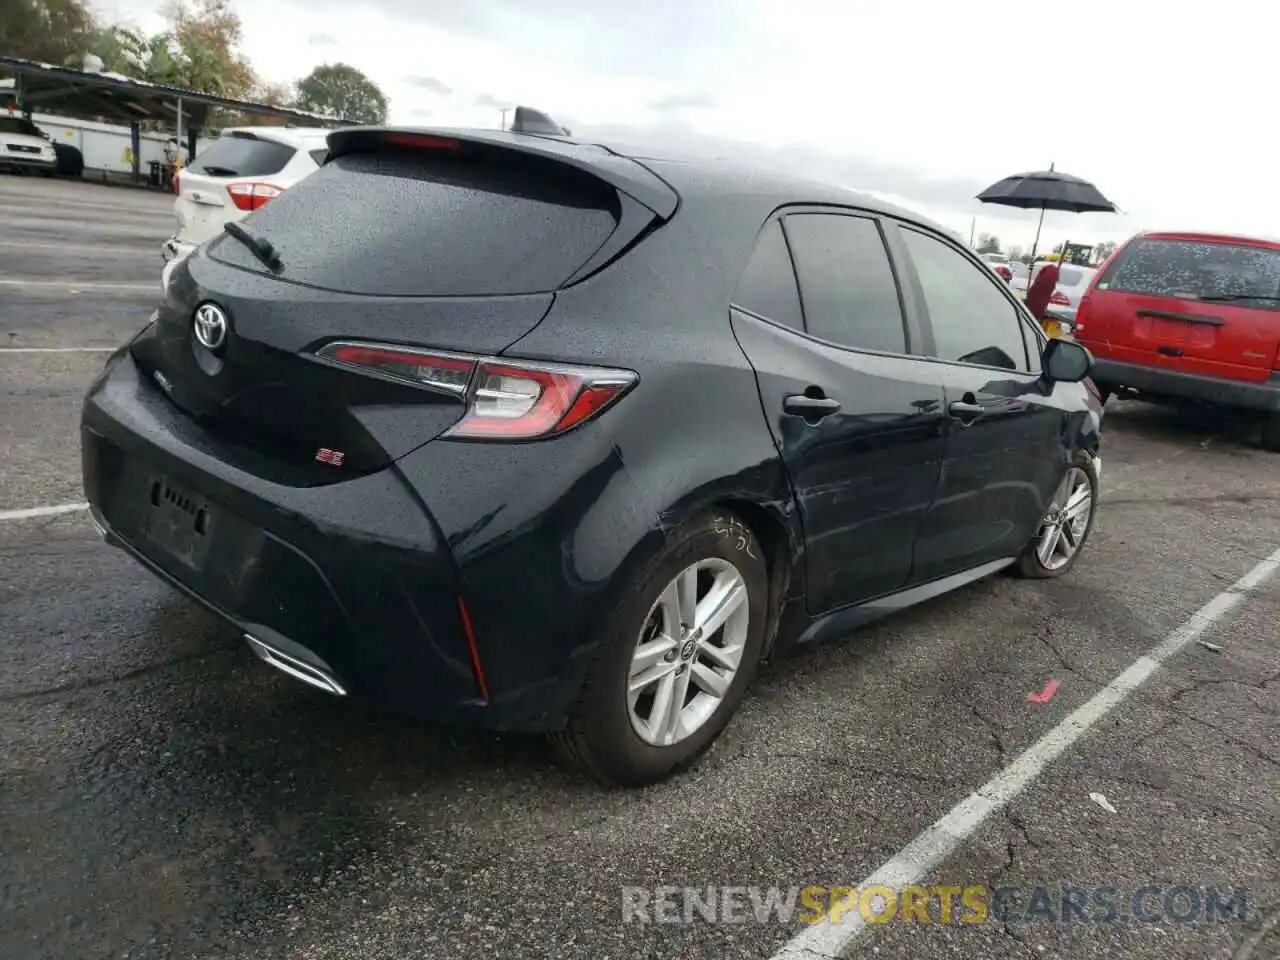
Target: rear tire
<point>657,640</point>
<point>1065,529</point>
<point>1271,433</point>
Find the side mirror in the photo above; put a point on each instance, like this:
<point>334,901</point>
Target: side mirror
<point>1066,361</point>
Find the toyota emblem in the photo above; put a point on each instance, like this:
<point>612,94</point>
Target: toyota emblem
<point>210,326</point>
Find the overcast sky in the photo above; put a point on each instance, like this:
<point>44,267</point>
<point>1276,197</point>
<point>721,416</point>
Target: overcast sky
<point>1167,111</point>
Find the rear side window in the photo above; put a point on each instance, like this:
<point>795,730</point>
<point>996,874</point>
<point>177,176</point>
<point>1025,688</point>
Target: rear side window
<point>1190,270</point>
<point>768,285</point>
<point>847,286</point>
<point>241,157</point>
<point>405,224</point>
<point>973,322</point>
<point>319,156</point>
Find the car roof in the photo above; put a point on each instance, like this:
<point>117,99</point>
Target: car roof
<point>693,178</point>
<point>728,179</point>
<point>292,136</point>
<point>1196,236</point>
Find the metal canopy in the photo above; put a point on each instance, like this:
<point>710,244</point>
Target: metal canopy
<point>45,86</point>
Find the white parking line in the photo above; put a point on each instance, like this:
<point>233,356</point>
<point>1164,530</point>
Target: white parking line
<point>34,513</point>
<point>4,350</point>
<point>142,250</point>
<point>922,855</point>
<point>74,286</point>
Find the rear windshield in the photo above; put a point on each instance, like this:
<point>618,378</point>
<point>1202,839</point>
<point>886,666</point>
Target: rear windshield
<point>19,125</point>
<point>1189,270</point>
<point>397,224</point>
<point>1069,278</point>
<point>241,157</point>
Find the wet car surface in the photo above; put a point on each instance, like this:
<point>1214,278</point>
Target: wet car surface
<point>165,794</point>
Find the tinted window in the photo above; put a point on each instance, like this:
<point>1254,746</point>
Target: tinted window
<point>241,157</point>
<point>19,125</point>
<point>768,285</point>
<point>1179,268</point>
<point>846,283</point>
<point>401,224</point>
<point>319,155</point>
<point>1067,277</point>
<point>972,321</point>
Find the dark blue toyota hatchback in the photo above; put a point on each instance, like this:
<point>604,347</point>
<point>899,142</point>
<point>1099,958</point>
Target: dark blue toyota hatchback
<point>529,432</point>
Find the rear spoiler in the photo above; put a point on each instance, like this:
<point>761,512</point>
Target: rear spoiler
<point>623,174</point>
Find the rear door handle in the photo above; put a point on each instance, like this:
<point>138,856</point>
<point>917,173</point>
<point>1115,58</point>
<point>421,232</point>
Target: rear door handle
<point>965,412</point>
<point>811,408</point>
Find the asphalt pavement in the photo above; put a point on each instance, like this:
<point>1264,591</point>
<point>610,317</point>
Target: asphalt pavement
<point>165,794</point>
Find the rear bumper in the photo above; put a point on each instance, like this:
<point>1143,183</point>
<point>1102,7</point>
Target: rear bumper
<point>1162,384</point>
<point>348,586</point>
<point>174,249</point>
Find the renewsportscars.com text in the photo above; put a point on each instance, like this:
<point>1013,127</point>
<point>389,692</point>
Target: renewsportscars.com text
<point>940,904</point>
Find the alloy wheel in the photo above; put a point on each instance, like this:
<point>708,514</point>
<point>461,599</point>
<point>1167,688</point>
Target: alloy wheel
<point>1063,529</point>
<point>688,652</point>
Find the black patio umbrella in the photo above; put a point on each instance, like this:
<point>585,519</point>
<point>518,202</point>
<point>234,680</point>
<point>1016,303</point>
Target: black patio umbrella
<point>1047,190</point>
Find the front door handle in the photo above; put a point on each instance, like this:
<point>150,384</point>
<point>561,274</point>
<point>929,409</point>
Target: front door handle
<point>966,412</point>
<point>811,408</point>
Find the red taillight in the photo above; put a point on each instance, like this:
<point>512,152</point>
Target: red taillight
<point>251,196</point>
<point>1082,311</point>
<point>506,399</point>
<point>442,371</point>
<point>1005,273</point>
<point>175,182</point>
<point>1060,299</point>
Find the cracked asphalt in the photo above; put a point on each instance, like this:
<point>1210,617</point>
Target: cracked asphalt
<point>164,794</point>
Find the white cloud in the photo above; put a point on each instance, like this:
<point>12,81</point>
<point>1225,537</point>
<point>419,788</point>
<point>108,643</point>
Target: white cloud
<point>928,101</point>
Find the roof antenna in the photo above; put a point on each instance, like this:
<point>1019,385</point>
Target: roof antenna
<point>529,120</point>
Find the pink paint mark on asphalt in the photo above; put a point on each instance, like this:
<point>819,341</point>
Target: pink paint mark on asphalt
<point>1045,695</point>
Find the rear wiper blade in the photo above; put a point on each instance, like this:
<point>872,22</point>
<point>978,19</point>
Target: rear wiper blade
<point>1235,297</point>
<point>259,245</point>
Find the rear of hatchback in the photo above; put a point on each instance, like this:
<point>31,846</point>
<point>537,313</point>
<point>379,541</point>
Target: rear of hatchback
<point>239,172</point>
<point>1073,281</point>
<point>1189,318</point>
<point>321,411</point>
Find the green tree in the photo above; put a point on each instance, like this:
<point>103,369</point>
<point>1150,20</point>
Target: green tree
<point>51,31</point>
<point>203,38</point>
<point>1103,250</point>
<point>339,90</point>
<point>273,95</point>
<point>199,50</point>
<point>988,243</point>
<point>122,50</point>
